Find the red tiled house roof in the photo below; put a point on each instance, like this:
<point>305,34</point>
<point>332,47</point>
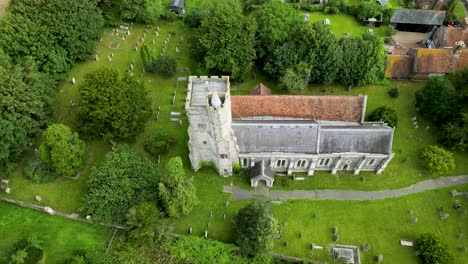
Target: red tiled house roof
<point>460,60</point>
<point>399,66</point>
<point>260,89</point>
<point>330,108</point>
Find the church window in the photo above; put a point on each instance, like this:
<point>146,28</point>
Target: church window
<point>327,161</point>
<point>301,163</point>
<point>245,163</point>
<point>281,163</point>
<point>201,125</point>
<point>324,162</point>
<point>371,162</point>
<point>223,156</point>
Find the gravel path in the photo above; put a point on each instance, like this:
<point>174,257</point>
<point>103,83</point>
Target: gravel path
<point>241,194</point>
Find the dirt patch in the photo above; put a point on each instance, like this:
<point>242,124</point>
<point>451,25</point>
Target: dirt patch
<point>3,6</point>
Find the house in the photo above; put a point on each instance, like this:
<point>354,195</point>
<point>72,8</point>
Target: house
<point>416,20</point>
<point>270,134</point>
<point>177,6</point>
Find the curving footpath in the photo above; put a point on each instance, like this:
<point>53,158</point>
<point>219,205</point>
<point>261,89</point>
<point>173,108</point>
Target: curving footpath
<point>349,195</point>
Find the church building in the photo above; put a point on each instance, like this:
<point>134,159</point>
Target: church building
<point>281,134</point>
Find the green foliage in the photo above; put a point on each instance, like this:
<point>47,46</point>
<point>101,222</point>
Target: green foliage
<point>276,23</point>
<point>237,168</point>
<point>455,133</point>
<point>433,250</point>
<point>437,101</point>
<point>437,159</point>
<point>159,143</point>
<point>334,6</point>
<point>26,251</point>
<point>112,107</point>
<point>295,79</point>
<point>177,194</point>
<point>284,181</point>
<point>54,33</point>
<point>62,150</point>
<point>394,92</point>
<point>38,171</point>
<point>151,13</point>
<point>145,11</point>
<point>223,44</point>
<point>385,114</point>
<point>146,224</point>
<point>254,229</point>
<point>123,180</point>
<point>194,16</point>
<point>25,105</point>
<point>89,257</point>
<point>147,57</point>
<point>165,65</point>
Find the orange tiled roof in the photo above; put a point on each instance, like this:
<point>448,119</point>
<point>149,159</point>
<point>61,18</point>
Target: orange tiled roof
<point>454,35</point>
<point>460,60</point>
<point>260,89</point>
<point>331,108</point>
<point>432,61</point>
<point>399,66</point>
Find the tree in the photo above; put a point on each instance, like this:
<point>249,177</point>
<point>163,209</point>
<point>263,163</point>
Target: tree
<point>165,65</point>
<point>437,101</point>
<point>254,229</point>
<point>385,114</point>
<point>438,160</point>
<point>296,79</point>
<point>284,57</point>
<point>123,180</point>
<point>112,107</point>
<point>26,250</point>
<point>115,11</point>
<point>147,57</point>
<point>146,224</point>
<point>276,23</point>
<point>62,150</point>
<point>455,133</point>
<point>85,256</point>
<point>13,141</point>
<point>159,143</point>
<point>433,250</point>
<point>223,44</point>
<point>177,194</point>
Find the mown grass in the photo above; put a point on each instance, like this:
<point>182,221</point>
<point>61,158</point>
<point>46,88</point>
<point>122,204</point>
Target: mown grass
<point>60,236</point>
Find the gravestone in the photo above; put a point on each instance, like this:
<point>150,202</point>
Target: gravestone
<point>190,230</point>
<point>209,225</point>
<point>73,80</point>
<point>414,220</point>
<point>8,190</point>
<point>336,238</point>
<point>224,216</point>
<point>49,210</point>
<point>315,216</point>
<point>131,66</point>
<point>211,214</point>
<point>444,216</point>
<point>227,203</point>
<point>335,230</point>
<point>365,247</point>
<point>38,198</point>
<point>410,212</point>
<point>96,57</point>
<point>460,235</point>
<point>206,233</point>
<point>109,58</point>
<point>379,258</point>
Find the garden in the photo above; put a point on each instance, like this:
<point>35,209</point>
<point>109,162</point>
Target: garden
<point>381,224</point>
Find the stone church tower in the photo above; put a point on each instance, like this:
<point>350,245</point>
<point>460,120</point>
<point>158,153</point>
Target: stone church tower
<point>211,138</point>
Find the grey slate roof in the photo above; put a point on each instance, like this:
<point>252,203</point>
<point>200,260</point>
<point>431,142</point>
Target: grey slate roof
<point>177,3</point>
<point>300,136</point>
<point>261,168</point>
<point>287,136</point>
<point>383,2</point>
<point>417,16</point>
<point>359,139</point>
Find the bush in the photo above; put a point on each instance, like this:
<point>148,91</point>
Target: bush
<point>237,168</point>
<point>159,143</point>
<point>37,171</point>
<point>437,159</point>
<point>26,251</point>
<point>385,114</point>
<point>394,92</point>
<point>433,250</point>
<point>166,65</point>
<point>283,181</point>
<point>314,8</point>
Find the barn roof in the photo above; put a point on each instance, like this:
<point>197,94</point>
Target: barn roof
<point>432,61</point>
<point>417,16</point>
<point>399,66</point>
<point>331,108</point>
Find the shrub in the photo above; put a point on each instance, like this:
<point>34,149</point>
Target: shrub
<point>159,143</point>
<point>26,251</point>
<point>166,65</point>
<point>385,114</point>
<point>437,159</point>
<point>283,181</point>
<point>433,250</point>
<point>394,92</point>
<point>38,171</point>
<point>237,168</point>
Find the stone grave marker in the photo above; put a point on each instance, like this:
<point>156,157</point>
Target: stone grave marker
<point>190,230</point>
<point>38,198</point>
<point>414,220</point>
<point>73,80</point>
<point>227,203</point>
<point>366,247</point>
<point>224,216</point>
<point>315,216</point>
<point>335,230</point>
<point>410,212</point>
<point>285,243</point>
<point>209,225</point>
<point>96,57</point>
<point>206,233</point>
<point>379,258</point>
<point>459,235</point>
<point>444,216</point>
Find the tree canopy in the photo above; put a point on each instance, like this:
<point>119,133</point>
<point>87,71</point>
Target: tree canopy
<point>62,150</point>
<point>123,179</point>
<point>177,193</point>
<point>437,159</point>
<point>112,107</point>
<point>254,229</point>
<point>433,250</point>
<point>146,223</point>
<point>385,114</point>
<point>224,42</point>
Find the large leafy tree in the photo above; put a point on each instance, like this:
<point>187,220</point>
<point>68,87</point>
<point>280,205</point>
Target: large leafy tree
<point>223,44</point>
<point>276,23</point>
<point>124,179</point>
<point>437,159</point>
<point>254,229</point>
<point>62,150</point>
<point>295,79</point>
<point>111,106</point>
<point>433,250</point>
<point>25,103</point>
<point>385,114</point>
<point>177,193</point>
<point>437,101</point>
<point>146,223</point>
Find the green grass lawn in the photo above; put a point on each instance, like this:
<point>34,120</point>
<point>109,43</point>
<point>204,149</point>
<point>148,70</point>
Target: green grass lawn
<point>60,236</point>
<point>342,23</point>
<point>459,11</point>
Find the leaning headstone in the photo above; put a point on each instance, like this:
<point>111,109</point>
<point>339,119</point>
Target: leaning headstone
<point>73,80</point>
<point>365,247</point>
<point>414,220</point>
<point>335,230</point>
<point>38,198</point>
<point>379,258</point>
<point>227,203</point>
<point>206,233</point>
<point>460,235</point>
<point>410,212</point>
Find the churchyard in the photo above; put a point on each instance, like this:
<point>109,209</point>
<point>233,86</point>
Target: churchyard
<point>381,224</point>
